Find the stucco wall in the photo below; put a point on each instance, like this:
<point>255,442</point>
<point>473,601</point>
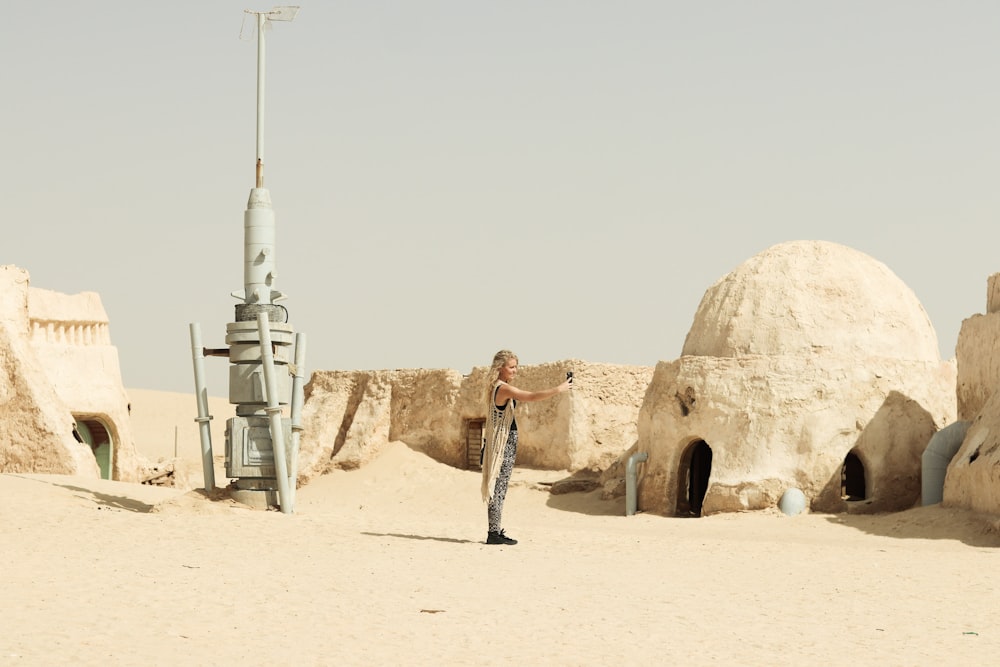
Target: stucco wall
<point>972,480</point>
<point>779,422</point>
<point>349,416</point>
<point>803,354</point>
<point>978,355</point>
<point>59,363</point>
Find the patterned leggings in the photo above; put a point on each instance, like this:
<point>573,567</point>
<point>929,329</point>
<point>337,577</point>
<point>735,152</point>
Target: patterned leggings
<point>495,507</point>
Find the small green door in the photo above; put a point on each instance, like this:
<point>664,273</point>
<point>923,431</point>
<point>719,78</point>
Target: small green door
<point>96,435</point>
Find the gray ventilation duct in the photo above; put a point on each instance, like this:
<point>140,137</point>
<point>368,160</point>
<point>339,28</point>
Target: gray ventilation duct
<point>631,482</point>
<point>940,450</point>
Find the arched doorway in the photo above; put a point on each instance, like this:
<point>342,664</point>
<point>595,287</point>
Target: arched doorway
<point>693,474</point>
<point>93,432</point>
<point>852,478</point>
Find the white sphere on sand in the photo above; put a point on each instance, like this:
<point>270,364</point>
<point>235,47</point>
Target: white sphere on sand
<point>792,502</point>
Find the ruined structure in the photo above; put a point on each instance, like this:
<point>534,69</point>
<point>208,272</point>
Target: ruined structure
<point>350,415</point>
<point>810,366</point>
<point>65,409</point>
<point>973,475</point>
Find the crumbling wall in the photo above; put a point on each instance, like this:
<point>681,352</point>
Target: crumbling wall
<point>978,355</point>
<point>36,427</point>
<point>972,480</point>
<point>349,416</point>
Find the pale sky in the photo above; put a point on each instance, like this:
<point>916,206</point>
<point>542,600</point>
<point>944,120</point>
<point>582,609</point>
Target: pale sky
<point>451,177</point>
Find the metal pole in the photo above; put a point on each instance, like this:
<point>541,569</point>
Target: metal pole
<point>274,412</point>
<point>204,419</point>
<point>260,100</point>
<point>630,481</point>
<point>298,399</point>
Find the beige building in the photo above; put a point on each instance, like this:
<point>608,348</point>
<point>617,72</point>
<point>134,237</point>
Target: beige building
<point>811,366</point>
<point>65,409</point>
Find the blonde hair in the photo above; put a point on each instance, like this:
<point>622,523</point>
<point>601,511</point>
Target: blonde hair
<point>500,360</point>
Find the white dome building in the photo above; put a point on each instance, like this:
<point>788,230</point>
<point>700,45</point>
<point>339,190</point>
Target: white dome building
<point>810,366</point>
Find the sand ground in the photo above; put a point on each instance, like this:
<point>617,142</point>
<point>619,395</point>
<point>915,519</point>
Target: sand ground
<point>387,565</point>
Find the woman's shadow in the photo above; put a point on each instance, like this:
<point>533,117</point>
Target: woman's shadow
<point>421,537</point>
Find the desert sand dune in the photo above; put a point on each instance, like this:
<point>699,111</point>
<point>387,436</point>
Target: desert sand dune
<point>387,565</point>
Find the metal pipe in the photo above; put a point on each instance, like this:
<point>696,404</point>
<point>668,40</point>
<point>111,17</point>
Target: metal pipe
<point>274,413</point>
<point>298,399</point>
<point>630,481</point>
<point>204,419</point>
<point>940,450</point>
<point>260,99</point>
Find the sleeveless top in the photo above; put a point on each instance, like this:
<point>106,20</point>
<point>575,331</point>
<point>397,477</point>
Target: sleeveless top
<point>499,423</point>
<point>501,408</point>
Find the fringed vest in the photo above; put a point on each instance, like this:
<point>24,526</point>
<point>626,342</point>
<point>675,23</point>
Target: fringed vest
<point>498,424</point>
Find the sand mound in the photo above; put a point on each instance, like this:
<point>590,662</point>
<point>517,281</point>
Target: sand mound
<point>99,572</point>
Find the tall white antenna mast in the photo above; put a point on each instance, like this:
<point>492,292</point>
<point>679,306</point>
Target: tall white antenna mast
<point>277,14</point>
<point>260,342</point>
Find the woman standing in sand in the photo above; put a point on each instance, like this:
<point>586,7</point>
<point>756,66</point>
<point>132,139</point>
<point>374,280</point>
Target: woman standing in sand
<point>500,438</point>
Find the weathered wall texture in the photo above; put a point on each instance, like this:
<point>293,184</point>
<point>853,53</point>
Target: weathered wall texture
<point>978,355</point>
<point>584,429</point>
<point>807,352</point>
<point>973,477</point>
<point>349,416</point>
<point>58,366</point>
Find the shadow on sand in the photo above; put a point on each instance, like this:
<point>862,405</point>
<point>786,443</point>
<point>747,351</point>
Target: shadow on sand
<point>588,502</point>
<point>119,502</point>
<point>405,536</point>
<point>932,522</point>
<point>109,501</point>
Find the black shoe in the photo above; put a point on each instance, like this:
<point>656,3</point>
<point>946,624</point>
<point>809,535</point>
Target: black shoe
<point>499,538</point>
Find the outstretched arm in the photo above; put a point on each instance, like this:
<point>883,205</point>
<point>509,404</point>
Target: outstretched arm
<point>506,391</point>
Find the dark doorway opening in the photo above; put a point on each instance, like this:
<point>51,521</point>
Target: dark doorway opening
<point>852,479</point>
<point>693,475</point>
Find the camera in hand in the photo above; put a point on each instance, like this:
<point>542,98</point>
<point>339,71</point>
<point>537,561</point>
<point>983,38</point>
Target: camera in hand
<point>569,376</point>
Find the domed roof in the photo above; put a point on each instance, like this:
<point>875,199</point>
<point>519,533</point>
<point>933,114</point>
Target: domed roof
<point>812,297</point>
